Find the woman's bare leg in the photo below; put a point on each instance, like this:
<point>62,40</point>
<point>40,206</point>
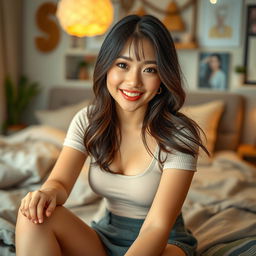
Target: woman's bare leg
<point>171,250</point>
<point>61,234</point>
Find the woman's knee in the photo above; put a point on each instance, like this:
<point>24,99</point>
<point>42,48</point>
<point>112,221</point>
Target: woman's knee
<point>23,223</point>
<point>171,249</point>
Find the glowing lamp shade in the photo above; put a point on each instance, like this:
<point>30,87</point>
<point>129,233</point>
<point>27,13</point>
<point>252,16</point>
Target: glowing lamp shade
<point>85,17</point>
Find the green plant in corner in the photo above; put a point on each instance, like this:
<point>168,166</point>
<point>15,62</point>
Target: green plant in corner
<point>18,98</point>
<point>240,69</point>
<point>240,74</point>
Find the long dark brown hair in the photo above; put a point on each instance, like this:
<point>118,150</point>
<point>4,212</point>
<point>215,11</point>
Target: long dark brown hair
<point>170,128</point>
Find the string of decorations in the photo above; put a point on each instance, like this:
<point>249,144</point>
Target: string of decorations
<point>127,5</point>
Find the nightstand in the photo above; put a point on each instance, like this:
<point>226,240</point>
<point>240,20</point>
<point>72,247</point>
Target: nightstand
<point>248,153</point>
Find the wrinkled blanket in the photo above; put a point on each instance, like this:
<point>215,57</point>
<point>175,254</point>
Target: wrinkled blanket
<point>25,161</point>
<point>221,204</point>
<point>220,207</point>
<point>26,158</point>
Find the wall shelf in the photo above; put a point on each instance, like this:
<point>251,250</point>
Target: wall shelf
<point>186,46</point>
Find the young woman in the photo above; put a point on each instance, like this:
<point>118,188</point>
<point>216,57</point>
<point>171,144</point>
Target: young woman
<point>143,153</point>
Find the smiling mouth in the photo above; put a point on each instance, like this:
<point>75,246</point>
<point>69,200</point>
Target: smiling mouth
<point>131,95</point>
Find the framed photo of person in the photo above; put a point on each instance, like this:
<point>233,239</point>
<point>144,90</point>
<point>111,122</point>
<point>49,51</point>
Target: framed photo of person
<point>213,71</point>
<point>221,23</point>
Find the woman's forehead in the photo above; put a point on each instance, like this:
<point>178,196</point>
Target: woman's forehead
<point>139,48</point>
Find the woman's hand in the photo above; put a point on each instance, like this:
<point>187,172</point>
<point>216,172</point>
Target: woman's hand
<point>35,205</point>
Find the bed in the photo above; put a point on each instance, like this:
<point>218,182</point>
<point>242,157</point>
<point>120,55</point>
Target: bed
<point>220,208</point>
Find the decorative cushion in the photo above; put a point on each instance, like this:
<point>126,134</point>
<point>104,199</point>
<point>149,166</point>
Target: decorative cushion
<point>207,116</point>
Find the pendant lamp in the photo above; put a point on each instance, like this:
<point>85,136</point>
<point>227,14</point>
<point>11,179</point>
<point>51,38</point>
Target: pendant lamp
<point>85,17</point>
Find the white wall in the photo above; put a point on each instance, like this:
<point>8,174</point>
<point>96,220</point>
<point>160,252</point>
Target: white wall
<point>48,68</point>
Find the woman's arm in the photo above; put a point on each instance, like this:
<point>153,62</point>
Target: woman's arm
<point>57,187</point>
<point>65,173</point>
<point>167,204</point>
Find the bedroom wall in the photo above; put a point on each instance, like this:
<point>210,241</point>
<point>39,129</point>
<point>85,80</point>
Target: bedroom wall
<point>48,68</point>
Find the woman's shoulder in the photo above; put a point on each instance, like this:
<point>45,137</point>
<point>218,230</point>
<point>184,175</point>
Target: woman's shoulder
<point>80,119</point>
<point>82,113</point>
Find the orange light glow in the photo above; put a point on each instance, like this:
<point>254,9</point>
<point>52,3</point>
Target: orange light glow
<point>85,17</point>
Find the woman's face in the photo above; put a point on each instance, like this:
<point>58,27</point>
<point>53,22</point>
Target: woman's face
<point>132,82</point>
<point>214,63</point>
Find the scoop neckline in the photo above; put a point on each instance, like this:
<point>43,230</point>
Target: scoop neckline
<point>152,162</point>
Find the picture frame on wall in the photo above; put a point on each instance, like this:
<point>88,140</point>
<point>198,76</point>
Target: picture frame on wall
<point>213,70</point>
<point>220,23</point>
<point>250,46</point>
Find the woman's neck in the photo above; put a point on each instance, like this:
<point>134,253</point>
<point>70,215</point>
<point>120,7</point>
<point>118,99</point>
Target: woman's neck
<point>131,120</point>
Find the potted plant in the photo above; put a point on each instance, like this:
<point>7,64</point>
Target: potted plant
<point>18,98</point>
<point>240,71</point>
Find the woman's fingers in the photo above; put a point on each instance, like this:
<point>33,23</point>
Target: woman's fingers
<point>40,210</point>
<point>35,203</point>
<point>22,207</point>
<point>51,207</point>
<point>27,200</point>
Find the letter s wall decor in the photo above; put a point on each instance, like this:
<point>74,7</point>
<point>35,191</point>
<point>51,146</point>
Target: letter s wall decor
<point>47,43</point>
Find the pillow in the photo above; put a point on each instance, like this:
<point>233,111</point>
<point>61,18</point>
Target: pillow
<point>60,118</point>
<point>45,133</point>
<point>207,116</point>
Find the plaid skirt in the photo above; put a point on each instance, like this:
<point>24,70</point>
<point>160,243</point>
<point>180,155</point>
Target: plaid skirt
<point>118,233</point>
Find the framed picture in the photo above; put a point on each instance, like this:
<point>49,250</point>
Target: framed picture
<point>95,42</point>
<point>79,67</point>
<point>250,46</point>
<point>221,23</point>
<point>213,71</point>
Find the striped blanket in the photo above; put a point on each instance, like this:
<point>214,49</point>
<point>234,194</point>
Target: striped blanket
<point>242,247</point>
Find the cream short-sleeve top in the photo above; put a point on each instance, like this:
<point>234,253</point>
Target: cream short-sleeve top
<point>129,196</point>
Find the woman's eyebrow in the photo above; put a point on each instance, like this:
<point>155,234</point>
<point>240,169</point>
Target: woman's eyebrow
<point>130,59</point>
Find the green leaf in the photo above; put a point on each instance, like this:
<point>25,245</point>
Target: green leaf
<point>18,98</point>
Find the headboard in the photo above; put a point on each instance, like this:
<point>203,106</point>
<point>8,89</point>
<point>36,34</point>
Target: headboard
<point>60,96</point>
<point>230,126</point>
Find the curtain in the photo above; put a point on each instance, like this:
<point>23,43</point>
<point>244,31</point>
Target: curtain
<point>10,46</point>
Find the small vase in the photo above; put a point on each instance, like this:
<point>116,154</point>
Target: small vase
<point>83,73</point>
<point>239,79</point>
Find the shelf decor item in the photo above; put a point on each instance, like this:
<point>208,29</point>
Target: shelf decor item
<point>174,22</point>
<point>240,75</point>
<point>50,39</point>
<point>85,17</point>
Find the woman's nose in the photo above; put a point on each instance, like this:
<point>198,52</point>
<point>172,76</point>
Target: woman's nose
<point>133,78</point>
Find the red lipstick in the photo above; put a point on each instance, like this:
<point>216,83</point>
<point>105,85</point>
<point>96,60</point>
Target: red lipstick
<point>127,94</point>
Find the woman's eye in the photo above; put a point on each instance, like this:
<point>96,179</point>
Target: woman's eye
<point>150,70</point>
<point>122,65</point>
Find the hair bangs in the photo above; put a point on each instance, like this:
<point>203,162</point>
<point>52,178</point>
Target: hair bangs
<point>136,45</point>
